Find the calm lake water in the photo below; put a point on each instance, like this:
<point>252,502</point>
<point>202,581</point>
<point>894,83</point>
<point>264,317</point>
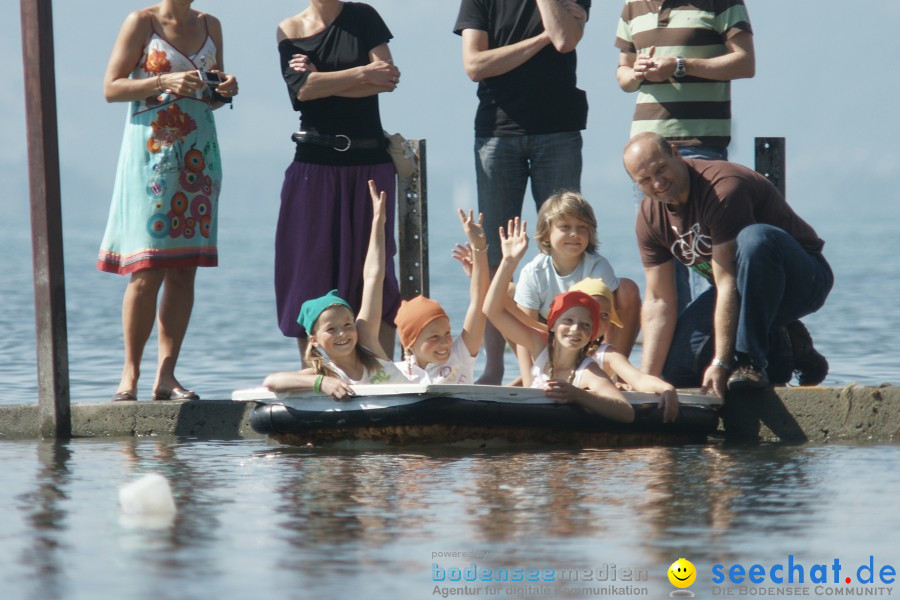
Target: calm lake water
<point>256,521</point>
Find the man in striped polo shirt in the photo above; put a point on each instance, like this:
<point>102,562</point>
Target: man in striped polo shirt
<point>680,56</point>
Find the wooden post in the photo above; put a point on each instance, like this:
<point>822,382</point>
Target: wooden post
<point>412,205</point>
<point>770,161</point>
<point>46,219</point>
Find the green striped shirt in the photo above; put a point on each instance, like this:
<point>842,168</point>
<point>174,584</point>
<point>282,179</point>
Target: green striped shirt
<point>691,110</point>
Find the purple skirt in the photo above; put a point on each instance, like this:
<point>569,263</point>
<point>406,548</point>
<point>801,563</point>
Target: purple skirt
<point>323,234</point>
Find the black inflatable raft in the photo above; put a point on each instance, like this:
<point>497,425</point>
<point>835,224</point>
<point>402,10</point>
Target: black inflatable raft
<point>467,415</point>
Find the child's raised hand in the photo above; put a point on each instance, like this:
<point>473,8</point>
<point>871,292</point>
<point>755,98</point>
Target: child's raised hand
<point>379,203</point>
<point>474,230</point>
<point>515,244</point>
<point>464,255</point>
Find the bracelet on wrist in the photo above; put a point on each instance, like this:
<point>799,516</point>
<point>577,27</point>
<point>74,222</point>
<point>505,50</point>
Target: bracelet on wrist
<point>486,246</point>
<point>317,386</point>
<point>159,83</point>
<point>717,362</point>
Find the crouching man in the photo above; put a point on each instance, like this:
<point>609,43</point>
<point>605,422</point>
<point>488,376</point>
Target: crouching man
<point>734,227</point>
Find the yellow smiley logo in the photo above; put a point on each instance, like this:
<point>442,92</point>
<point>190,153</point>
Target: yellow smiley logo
<point>682,573</point>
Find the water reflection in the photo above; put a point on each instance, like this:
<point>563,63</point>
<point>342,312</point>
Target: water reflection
<point>177,548</point>
<point>45,513</point>
<point>515,497</point>
<point>704,498</point>
<point>255,521</point>
<point>334,500</point>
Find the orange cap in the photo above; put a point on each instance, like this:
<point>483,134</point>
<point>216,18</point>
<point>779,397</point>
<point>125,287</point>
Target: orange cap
<point>414,316</point>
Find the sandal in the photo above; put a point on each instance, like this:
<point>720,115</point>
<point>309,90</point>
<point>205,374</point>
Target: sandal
<point>178,394</point>
<point>124,397</point>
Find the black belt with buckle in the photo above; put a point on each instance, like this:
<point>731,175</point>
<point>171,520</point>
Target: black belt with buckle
<point>341,143</point>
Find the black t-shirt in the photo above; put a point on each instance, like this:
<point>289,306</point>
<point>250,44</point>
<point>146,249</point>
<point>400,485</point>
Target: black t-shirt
<point>342,45</point>
<point>539,96</point>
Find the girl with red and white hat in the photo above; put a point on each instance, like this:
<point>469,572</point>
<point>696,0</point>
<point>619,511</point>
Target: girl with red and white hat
<point>562,365</point>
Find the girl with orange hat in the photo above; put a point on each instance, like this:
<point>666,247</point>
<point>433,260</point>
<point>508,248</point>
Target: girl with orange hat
<point>431,355</point>
<point>562,365</point>
<point>614,363</point>
<point>344,349</point>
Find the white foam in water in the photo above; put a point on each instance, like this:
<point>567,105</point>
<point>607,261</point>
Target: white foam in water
<point>147,502</point>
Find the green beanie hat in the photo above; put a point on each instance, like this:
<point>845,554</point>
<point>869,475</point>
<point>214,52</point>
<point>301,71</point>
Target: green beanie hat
<point>312,309</point>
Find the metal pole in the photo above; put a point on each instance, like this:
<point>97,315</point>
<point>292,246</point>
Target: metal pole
<point>46,219</point>
<point>412,204</point>
<point>770,160</point>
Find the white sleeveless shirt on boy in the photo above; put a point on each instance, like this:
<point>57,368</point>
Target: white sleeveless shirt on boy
<point>459,367</point>
<point>539,283</point>
<point>540,370</point>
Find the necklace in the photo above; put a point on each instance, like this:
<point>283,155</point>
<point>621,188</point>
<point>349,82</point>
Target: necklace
<point>568,378</point>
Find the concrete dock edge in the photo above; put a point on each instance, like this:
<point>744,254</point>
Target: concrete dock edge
<point>821,414</point>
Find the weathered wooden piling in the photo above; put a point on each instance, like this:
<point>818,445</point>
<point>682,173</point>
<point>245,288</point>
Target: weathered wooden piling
<point>770,160</point>
<point>46,220</point>
<point>412,235</point>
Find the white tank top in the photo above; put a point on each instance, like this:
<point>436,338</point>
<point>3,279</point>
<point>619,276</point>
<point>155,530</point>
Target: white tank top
<point>540,370</point>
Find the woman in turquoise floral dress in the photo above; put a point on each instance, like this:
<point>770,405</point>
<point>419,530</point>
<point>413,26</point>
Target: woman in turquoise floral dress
<point>162,221</point>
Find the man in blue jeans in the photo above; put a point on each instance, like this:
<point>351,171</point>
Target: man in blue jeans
<point>530,112</point>
<point>733,226</point>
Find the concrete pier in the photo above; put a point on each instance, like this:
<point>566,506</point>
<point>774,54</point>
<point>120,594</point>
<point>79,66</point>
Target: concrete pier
<point>819,415</point>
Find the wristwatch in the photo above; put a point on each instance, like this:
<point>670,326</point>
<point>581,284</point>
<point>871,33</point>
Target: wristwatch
<point>717,362</point>
<point>679,67</point>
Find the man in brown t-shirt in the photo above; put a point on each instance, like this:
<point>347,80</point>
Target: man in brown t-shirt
<point>733,226</point>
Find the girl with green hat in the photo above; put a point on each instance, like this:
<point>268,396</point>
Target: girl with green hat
<point>343,349</point>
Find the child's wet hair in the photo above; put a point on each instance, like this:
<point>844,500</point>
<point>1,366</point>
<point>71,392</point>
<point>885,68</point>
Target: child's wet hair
<point>566,203</point>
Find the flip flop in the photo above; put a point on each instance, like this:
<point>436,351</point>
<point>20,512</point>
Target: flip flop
<point>178,393</point>
<point>124,397</point>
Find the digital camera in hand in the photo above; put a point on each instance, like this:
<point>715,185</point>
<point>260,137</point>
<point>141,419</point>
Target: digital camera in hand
<point>209,78</point>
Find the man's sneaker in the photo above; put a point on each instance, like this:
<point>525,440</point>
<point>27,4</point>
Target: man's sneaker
<point>747,377</point>
<point>811,367</point>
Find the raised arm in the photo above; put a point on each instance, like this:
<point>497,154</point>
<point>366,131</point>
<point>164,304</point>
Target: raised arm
<point>474,324</point>
<point>482,62</point>
<point>530,316</point>
<point>368,322</point>
<point>658,316</point>
<point>513,248</point>
<point>724,317</point>
<point>564,23</point>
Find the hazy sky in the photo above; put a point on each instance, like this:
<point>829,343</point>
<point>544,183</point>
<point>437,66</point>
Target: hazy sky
<point>832,101</point>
